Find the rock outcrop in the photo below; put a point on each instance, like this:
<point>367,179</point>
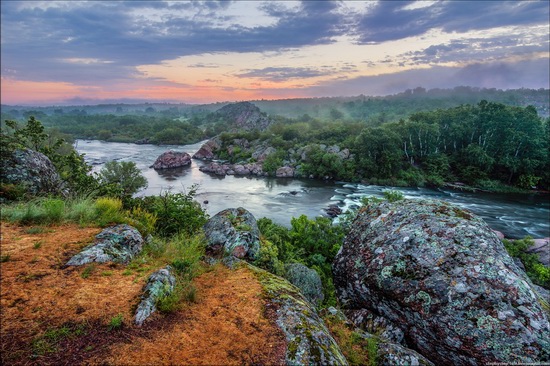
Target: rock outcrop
<point>441,275</point>
<point>307,280</point>
<point>223,169</point>
<point>172,159</point>
<point>244,116</point>
<point>309,341</point>
<point>118,244</point>
<point>32,170</point>
<point>208,150</point>
<point>233,232</point>
<point>160,283</point>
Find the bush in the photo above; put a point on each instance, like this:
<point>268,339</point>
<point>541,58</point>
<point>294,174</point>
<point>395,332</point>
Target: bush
<point>54,209</point>
<point>108,211</point>
<point>142,220</point>
<point>124,178</point>
<point>393,196</point>
<point>268,258</point>
<point>176,212</point>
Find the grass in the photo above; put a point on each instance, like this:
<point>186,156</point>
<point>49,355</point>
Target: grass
<point>116,322</point>
<point>35,230</point>
<point>5,258</point>
<point>47,343</point>
<point>183,253</point>
<point>359,350</point>
<point>88,270</point>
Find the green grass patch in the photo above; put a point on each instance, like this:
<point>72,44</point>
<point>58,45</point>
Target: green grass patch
<point>88,270</point>
<point>37,244</point>
<point>116,322</point>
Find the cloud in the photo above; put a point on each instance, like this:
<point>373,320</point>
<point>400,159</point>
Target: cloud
<point>279,74</point>
<point>35,40</point>
<point>501,75</point>
<point>469,50</point>
<point>393,20</point>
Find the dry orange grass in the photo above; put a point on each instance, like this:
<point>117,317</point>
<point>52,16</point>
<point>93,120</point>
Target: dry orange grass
<point>227,325</point>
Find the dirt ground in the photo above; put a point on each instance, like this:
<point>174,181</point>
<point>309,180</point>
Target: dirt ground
<point>52,314</point>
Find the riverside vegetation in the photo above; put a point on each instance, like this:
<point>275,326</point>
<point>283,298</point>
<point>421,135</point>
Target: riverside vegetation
<point>175,222</point>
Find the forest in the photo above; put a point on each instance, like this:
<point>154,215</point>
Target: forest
<point>416,138</point>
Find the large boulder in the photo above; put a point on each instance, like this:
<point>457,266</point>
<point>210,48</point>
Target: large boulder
<point>208,150</point>
<point>118,244</point>
<point>33,170</point>
<point>440,274</point>
<point>308,340</point>
<point>307,280</point>
<point>172,159</point>
<point>233,231</point>
<point>159,284</point>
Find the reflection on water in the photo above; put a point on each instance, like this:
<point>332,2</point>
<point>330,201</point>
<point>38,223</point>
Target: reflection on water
<point>284,198</point>
<point>173,173</point>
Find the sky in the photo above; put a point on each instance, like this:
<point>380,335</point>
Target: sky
<point>90,52</point>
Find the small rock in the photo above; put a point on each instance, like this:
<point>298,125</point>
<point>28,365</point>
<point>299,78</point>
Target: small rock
<point>160,283</point>
<point>118,243</point>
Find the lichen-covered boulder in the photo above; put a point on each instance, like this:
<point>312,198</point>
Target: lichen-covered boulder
<point>32,170</point>
<point>444,277</point>
<point>233,231</point>
<point>307,280</point>
<point>392,354</point>
<point>160,283</point>
<point>172,159</point>
<point>118,244</point>
<point>308,340</point>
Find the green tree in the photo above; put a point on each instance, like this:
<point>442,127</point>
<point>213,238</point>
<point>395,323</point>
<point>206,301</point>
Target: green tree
<point>124,177</point>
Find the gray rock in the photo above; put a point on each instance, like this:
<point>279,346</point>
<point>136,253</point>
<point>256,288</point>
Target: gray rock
<point>307,280</point>
<point>374,324</point>
<point>285,172</point>
<point>33,170</point>
<point>160,283</point>
<point>392,354</point>
<point>208,150</point>
<point>233,231</point>
<point>118,244</point>
<point>542,248</point>
<point>308,340</point>
<point>172,159</point>
<point>441,275</point>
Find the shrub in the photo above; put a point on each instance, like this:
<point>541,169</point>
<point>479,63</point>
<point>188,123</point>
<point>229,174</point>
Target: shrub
<point>393,196</point>
<point>124,177</point>
<point>108,211</point>
<point>54,209</point>
<point>268,258</point>
<point>142,220</point>
<point>176,212</point>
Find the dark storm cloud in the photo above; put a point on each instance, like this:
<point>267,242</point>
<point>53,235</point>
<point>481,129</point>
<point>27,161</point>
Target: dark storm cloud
<point>392,20</point>
<point>36,41</point>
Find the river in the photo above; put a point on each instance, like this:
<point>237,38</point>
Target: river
<point>281,199</point>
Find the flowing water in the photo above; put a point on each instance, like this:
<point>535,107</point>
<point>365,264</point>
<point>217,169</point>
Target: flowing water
<point>281,199</point>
